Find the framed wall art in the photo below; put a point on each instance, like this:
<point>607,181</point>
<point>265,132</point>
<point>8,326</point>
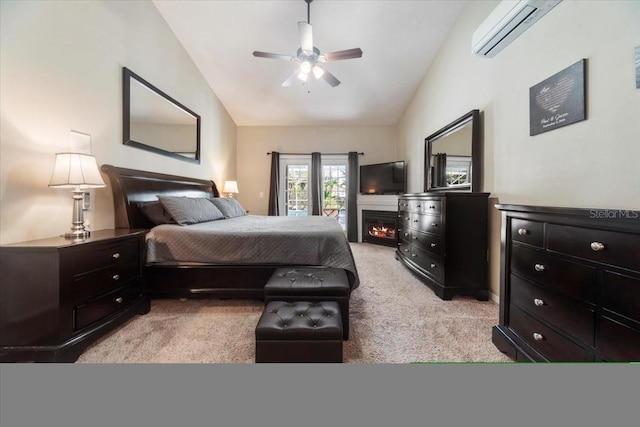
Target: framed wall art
<point>559,100</point>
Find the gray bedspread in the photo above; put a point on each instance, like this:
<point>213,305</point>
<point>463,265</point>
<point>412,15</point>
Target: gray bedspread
<point>255,239</point>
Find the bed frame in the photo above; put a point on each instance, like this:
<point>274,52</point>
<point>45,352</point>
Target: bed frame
<point>179,280</point>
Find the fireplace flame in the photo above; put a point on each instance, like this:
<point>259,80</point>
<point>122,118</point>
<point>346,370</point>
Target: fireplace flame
<point>382,232</point>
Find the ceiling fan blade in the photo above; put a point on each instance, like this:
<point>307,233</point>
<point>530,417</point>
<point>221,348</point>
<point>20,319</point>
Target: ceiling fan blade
<point>330,78</point>
<point>306,37</point>
<point>291,79</point>
<point>341,54</point>
<point>274,56</point>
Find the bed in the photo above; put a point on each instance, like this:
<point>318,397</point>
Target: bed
<point>187,261</point>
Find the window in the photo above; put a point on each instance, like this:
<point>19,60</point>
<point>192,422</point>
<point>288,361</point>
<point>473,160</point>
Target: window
<point>295,171</point>
<point>294,181</point>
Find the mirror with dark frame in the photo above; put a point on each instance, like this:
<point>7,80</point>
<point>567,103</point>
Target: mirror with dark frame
<point>453,156</point>
<point>154,121</point>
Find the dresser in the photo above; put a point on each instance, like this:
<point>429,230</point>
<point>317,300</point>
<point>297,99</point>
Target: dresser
<point>58,296</point>
<point>442,238</point>
<point>570,284</point>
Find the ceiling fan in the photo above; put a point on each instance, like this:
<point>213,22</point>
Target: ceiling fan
<point>310,57</point>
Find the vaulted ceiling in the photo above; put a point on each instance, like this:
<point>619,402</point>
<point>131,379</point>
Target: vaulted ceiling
<point>399,40</point>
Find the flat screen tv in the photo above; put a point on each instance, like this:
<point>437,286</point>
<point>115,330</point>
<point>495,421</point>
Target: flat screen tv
<point>383,178</point>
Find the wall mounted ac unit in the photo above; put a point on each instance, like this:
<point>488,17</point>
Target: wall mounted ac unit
<point>508,20</point>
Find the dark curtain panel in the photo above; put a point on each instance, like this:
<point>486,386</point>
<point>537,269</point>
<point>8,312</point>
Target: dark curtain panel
<point>316,183</point>
<point>274,187</point>
<point>439,170</point>
<point>352,191</point>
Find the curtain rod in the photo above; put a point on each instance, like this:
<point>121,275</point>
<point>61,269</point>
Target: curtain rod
<point>305,154</point>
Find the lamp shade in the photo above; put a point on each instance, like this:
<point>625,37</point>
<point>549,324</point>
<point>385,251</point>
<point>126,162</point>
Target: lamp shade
<point>75,170</point>
<point>230,187</point>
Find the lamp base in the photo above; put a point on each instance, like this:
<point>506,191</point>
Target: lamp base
<point>77,235</point>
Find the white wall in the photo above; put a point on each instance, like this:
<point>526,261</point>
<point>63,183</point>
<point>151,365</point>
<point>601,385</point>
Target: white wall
<point>378,143</point>
<point>593,163</point>
<point>61,67</point>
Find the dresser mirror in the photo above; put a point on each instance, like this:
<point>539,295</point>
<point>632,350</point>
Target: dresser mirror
<point>453,156</point>
<point>154,121</point>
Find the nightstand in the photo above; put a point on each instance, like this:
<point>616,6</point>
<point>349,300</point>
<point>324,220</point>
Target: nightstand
<point>58,296</point>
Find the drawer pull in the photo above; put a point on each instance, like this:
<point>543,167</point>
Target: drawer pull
<point>119,300</point>
<point>432,207</point>
<point>433,265</point>
<point>417,206</point>
<point>433,224</point>
<point>597,246</point>
<point>116,277</point>
<point>116,255</point>
<point>537,336</point>
<point>415,220</point>
<point>414,255</point>
<point>408,218</point>
<point>538,302</point>
<point>539,267</point>
<point>415,237</point>
<point>406,250</point>
<point>433,245</point>
<point>523,231</point>
<point>406,234</point>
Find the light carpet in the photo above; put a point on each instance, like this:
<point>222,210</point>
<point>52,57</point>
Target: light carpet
<point>395,318</point>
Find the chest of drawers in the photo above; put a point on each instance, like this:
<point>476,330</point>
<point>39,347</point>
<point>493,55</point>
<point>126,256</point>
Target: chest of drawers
<point>442,238</point>
<point>570,284</point>
<point>57,296</point>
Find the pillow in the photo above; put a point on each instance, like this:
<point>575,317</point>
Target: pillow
<point>190,210</point>
<point>230,208</point>
<point>155,212</point>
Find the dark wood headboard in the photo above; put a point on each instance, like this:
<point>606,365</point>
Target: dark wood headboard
<point>130,186</point>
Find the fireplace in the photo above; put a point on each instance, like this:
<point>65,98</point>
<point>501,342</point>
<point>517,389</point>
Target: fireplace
<point>379,227</point>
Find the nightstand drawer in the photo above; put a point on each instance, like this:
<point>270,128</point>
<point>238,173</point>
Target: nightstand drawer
<point>106,255</point>
<point>567,314</point>
<point>97,282</point>
<point>86,314</point>
<point>544,339</point>
<point>576,280</point>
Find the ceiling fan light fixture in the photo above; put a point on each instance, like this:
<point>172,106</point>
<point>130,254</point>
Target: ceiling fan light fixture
<point>305,67</point>
<point>317,71</point>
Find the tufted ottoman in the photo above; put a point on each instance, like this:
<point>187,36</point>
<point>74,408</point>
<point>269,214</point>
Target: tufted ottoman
<point>300,331</point>
<point>311,284</point>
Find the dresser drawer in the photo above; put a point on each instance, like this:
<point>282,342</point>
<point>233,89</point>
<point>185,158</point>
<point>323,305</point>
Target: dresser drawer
<point>529,232</point>
<point>621,294</point>
<point>105,256</point>
<point>428,262</point>
<point>608,247</point>
<point>427,223</point>
<point>576,280</point>
<point>572,317</point>
<point>86,314</point>
<point>430,206</point>
<point>429,242</point>
<point>97,282</point>
<point>545,340</point>
<point>618,342</point>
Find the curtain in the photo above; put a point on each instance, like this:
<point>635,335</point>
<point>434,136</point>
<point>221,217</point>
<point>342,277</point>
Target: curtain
<point>352,191</point>
<point>316,183</point>
<point>439,170</point>
<point>274,187</point>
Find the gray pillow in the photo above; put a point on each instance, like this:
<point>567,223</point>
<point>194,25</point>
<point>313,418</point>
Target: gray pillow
<point>190,210</point>
<point>230,208</point>
<point>155,212</point>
